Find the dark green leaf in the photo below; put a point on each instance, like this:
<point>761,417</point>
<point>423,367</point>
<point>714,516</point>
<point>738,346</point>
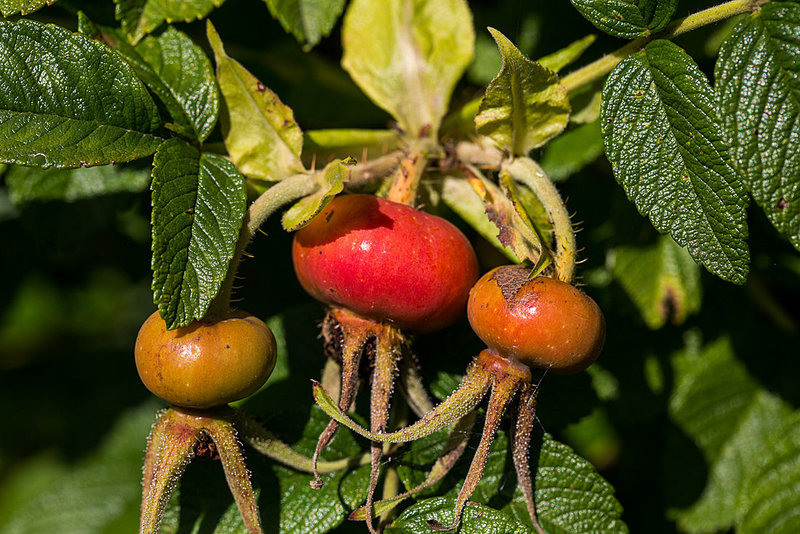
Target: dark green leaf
<point>627,18</point>
<point>525,105</point>
<point>570,495</point>
<point>730,418</point>
<point>198,205</point>
<point>477,519</point>
<point>180,74</point>
<point>308,20</point>
<point>94,495</point>
<point>69,101</point>
<point>665,145</point>
<point>661,279</point>
<point>772,498</point>
<point>12,7</point>
<point>30,184</point>
<point>140,17</point>
<point>758,84</point>
<point>569,153</point>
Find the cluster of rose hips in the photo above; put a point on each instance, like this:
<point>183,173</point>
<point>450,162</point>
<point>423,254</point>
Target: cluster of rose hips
<point>384,269</point>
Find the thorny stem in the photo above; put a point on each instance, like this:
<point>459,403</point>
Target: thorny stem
<point>457,440</point>
<point>503,391</point>
<point>605,64</point>
<point>528,172</point>
<point>383,374</point>
<point>526,415</point>
<point>354,341</point>
<point>269,445</point>
<point>464,399</point>
<point>282,193</point>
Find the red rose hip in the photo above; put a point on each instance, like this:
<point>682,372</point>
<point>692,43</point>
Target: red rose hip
<point>387,262</point>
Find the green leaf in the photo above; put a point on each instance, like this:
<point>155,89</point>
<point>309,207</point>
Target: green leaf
<point>97,492</point>
<point>661,279</point>
<point>31,184</point>
<point>665,146</point>
<point>772,498</point>
<point>570,496</point>
<point>23,7</point>
<point>199,201</point>
<point>179,73</point>
<point>140,17</point>
<point>69,101</point>
<point>627,18</point>
<point>331,182</point>
<point>757,85</point>
<point>524,105</point>
<point>567,55</point>
<point>477,519</point>
<point>572,151</point>
<point>259,130</point>
<point>308,20</point>
<point>321,144</point>
<point>730,418</point>
<point>407,56</point>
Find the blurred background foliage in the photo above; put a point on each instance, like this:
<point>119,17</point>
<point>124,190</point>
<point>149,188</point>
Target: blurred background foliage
<point>76,282</point>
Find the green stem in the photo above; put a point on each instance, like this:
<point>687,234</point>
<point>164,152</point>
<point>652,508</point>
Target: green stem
<point>268,444</point>
<point>528,172</point>
<point>282,193</point>
<point>605,64</point>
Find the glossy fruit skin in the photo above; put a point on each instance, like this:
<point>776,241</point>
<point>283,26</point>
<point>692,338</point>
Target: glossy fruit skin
<point>387,262</point>
<point>542,323</point>
<point>205,364</point>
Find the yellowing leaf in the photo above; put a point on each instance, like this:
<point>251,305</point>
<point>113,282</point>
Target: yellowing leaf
<point>259,130</point>
<point>407,56</point>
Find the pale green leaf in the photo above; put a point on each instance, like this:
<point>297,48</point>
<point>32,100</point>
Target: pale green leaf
<point>567,55</point>
<point>758,86</point>
<point>661,279</point>
<point>718,405</point>
<point>772,498</point>
<point>94,495</point>
<point>664,142</point>
<point>69,101</point>
<point>407,56</point>
<point>259,130</point>
<point>199,201</point>
<point>524,105</point>
<point>627,18</point>
<point>140,17</point>
<point>31,184</point>
<point>308,20</point>
<point>461,197</point>
<point>330,183</point>
<point>322,144</point>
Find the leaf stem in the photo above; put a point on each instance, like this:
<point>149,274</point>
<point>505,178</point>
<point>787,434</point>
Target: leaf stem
<point>281,193</point>
<point>528,172</point>
<point>605,64</point>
